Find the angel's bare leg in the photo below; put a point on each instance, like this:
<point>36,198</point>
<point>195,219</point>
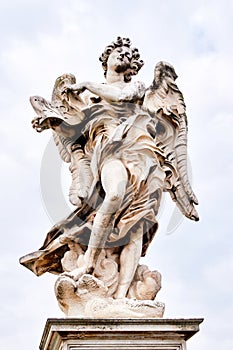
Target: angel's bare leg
<point>129,260</point>
<point>114,179</point>
<point>131,253</point>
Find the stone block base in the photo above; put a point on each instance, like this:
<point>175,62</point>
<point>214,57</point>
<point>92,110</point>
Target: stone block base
<point>118,334</point>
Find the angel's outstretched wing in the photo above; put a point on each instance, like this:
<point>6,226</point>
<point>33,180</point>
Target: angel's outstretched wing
<point>166,105</point>
<point>61,104</point>
<point>64,115</point>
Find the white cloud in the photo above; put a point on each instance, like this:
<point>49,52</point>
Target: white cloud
<point>219,276</point>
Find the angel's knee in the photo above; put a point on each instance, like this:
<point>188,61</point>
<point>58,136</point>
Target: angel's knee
<point>113,200</point>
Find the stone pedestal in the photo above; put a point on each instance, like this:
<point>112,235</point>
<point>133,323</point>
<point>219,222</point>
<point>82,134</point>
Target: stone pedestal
<point>118,334</point>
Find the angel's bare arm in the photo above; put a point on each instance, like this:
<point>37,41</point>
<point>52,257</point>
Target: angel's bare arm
<point>128,92</point>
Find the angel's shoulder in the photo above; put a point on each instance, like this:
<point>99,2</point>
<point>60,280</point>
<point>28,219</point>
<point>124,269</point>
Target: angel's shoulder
<point>138,87</point>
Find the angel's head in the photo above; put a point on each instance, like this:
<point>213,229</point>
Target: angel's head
<point>121,57</point>
<point>164,70</point>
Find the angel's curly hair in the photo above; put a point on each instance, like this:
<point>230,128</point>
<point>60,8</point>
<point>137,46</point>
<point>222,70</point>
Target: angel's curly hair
<point>135,63</point>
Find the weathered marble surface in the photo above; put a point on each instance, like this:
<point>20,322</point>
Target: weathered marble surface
<point>88,297</point>
<point>134,334</point>
<point>126,145</point>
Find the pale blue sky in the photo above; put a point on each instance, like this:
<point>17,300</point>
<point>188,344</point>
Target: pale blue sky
<point>41,40</point>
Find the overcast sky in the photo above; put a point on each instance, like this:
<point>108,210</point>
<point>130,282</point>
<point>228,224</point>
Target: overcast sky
<point>42,39</point>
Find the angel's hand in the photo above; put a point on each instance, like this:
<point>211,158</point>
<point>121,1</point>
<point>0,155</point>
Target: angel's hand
<point>75,88</point>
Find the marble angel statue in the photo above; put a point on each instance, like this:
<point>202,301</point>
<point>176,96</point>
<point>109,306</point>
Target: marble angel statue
<point>126,145</point>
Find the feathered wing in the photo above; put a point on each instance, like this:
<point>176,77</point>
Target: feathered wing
<point>63,144</point>
<point>65,116</point>
<point>71,109</point>
<point>166,105</point>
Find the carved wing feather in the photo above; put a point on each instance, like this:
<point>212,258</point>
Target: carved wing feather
<point>63,115</point>
<point>181,158</point>
<point>166,105</point>
<point>63,146</point>
<point>67,111</point>
<point>81,176</point>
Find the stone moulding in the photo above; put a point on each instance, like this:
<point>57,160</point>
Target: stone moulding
<point>124,334</point>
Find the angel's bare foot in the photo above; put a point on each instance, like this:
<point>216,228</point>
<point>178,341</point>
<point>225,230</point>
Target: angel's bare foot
<point>75,274</point>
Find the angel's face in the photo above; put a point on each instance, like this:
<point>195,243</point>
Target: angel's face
<point>119,59</point>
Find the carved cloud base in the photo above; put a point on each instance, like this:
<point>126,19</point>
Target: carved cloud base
<point>122,334</point>
<point>88,298</point>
